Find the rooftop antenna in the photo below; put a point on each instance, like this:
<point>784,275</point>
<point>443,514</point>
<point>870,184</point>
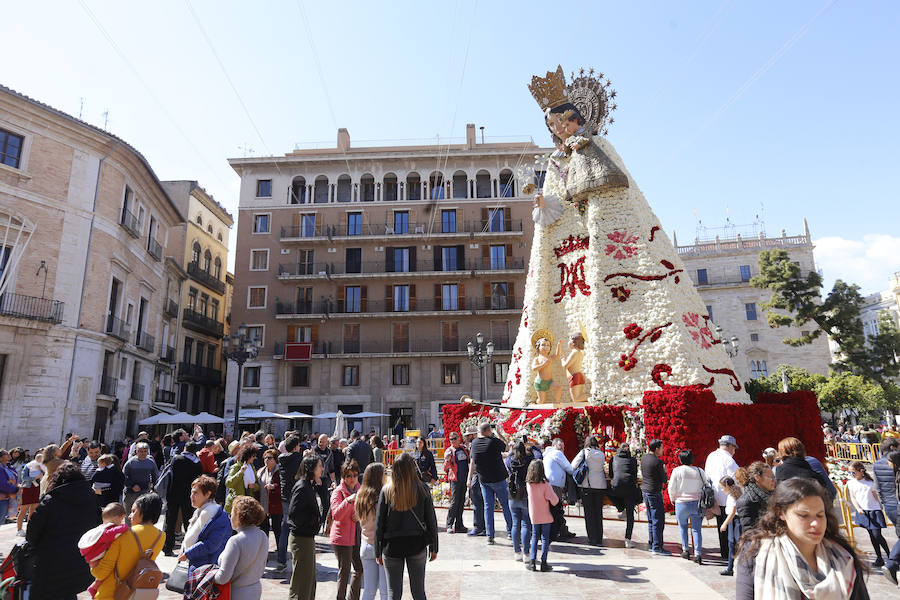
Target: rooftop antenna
<point>482,133</point>
<point>247,150</point>
<point>105,118</point>
<point>80,107</point>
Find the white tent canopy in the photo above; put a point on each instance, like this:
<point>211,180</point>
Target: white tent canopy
<point>367,415</point>
<point>330,415</point>
<point>295,415</point>
<point>176,419</point>
<point>256,414</point>
<point>154,420</point>
<point>205,417</point>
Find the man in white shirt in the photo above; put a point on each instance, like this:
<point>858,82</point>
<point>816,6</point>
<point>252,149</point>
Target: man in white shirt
<point>720,463</point>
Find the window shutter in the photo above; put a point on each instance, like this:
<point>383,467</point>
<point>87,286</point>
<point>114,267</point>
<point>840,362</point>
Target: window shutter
<point>295,219</point>
<point>412,258</point>
<point>389,259</point>
<point>362,299</point>
<point>461,257</point>
<point>511,294</point>
<point>461,294</point>
<point>438,258</point>
<point>314,334</point>
<point>485,257</point>
<point>291,333</point>
<point>485,215</point>
<point>438,297</point>
<point>388,298</point>
<point>412,297</point>
<point>487,295</point>
<point>340,298</point>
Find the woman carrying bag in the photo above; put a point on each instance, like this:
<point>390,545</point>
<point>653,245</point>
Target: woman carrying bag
<point>623,487</point>
<point>241,479</point>
<point>425,462</point>
<point>589,474</point>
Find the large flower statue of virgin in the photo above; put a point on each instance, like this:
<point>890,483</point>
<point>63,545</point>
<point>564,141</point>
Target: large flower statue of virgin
<point>603,278</point>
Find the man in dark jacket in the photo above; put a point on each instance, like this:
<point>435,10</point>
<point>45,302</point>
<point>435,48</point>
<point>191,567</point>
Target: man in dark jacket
<point>304,519</point>
<point>884,479</point>
<point>360,451</point>
<point>185,469</point>
<point>66,511</point>
<point>623,488</point>
<point>653,481</point>
<point>289,465</point>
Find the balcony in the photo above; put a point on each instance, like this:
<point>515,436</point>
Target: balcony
<point>137,392</point>
<point>165,396</point>
<point>118,328</point>
<point>29,307</point>
<point>380,268</point>
<point>301,232</point>
<point>197,322</point>
<point>166,353</point>
<point>385,308</point>
<point>199,374</point>
<point>108,385</point>
<point>406,346</point>
<point>145,341</point>
<point>206,278</point>
<point>154,248</point>
<point>130,223</point>
<point>170,307</point>
<point>323,232</point>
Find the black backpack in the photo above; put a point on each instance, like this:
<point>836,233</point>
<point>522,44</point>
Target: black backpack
<point>518,490</point>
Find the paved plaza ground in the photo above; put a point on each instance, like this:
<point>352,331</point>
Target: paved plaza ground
<point>468,569</point>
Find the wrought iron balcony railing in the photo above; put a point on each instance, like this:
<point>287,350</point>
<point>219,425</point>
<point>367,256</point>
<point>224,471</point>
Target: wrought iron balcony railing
<point>29,307</point>
<point>130,223</point>
<point>118,328</point>
<point>154,248</point>
<point>199,374</point>
<point>197,322</point>
<point>145,341</point>
<point>205,277</point>
<point>108,385</point>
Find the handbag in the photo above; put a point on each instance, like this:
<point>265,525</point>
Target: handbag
<point>581,472</point>
<point>177,578</point>
<point>24,558</point>
<point>707,494</point>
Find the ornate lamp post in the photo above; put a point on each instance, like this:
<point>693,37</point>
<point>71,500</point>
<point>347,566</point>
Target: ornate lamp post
<point>730,344</point>
<point>238,348</point>
<point>480,355</point>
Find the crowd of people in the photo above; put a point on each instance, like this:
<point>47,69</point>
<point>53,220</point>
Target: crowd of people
<point>89,511</point>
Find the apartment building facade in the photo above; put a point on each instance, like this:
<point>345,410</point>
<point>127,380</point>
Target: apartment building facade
<point>201,246</point>
<point>721,269</point>
<point>362,273</point>
<point>84,235</point>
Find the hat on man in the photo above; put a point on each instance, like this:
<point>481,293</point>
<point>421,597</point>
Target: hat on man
<point>728,439</point>
<point>769,452</point>
<point>471,431</point>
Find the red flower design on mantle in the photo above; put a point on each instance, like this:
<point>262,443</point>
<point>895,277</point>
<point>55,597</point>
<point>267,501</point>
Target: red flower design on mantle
<point>622,245</point>
<point>620,293</point>
<point>571,280</point>
<point>698,329</point>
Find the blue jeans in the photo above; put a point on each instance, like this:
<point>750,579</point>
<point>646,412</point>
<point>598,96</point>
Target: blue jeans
<point>656,519</point>
<point>893,560</point>
<point>689,511</point>
<point>4,508</point>
<point>374,575</point>
<point>540,532</point>
<point>490,492</point>
<point>521,527</point>
<point>282,541</point>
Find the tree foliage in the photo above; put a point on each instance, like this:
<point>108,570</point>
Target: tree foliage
<point>798,379</point>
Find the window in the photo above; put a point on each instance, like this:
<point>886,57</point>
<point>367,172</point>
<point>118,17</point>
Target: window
<point>350,376</point>
<point>300,376</point>
<point>204,304</point>
<point>450,336</point>
<point>10,148</point>
<point>401,298</point>
<point>251,377</point>
<point>192,299</point>
<point>123,366</point>
<point>207,261</point>
<point>400,374</point>
<point>217,267</point>
<point>450,296</point>
<point>200,220</point>
<point>448,221</point>
<point>353,260</point>
<point>352,299</point>
<point>261,223</point>
<point>263,188</point>
<point>745,272</point>
<point>401,260</point>
<point>805,333</point>
<point>255,333</point>
<point>195,253</point>
<point>448,258</point>
<point>401,222</point>
<point>499,296</point>
<point>209,229</point>
<point>214,309</point>
<point>304,262</point>
<point>754,337</point>
<point>498,258</point>
<point>702,277</point>
<point>501,369</point>
<point>496,222</point>
<point>351,337</point>
<point>256,297</point>
<point>401,417</point>
<point>308,225</point>
<point>450,374</point>
<point>259,260</point>
<point>758,369</point>
<point>299,334</point>
<point>400,337</point>
<point>354,223</point>
<point>219,236</point>
<point>750,309</point>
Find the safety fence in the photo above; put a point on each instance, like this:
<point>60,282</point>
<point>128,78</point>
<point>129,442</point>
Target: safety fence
<point>867,453</point>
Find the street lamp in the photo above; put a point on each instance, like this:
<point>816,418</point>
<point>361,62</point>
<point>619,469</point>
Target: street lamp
<point>480,355</point>
<point>238,348</point>
<point>730,344</point>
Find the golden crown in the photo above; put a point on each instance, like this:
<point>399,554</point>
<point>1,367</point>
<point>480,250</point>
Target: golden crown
<point>549,91</point>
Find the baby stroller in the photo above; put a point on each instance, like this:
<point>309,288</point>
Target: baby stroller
<point>14,581</point>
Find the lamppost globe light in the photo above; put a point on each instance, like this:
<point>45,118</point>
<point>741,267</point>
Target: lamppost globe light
<point>479,337</point>
<point>242,330</point>
<point>490,349</point>
<point>226,341</point>
<point>470,348</point>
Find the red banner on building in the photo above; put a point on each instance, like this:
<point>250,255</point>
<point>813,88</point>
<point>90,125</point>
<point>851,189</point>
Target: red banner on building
<point>297,351</point>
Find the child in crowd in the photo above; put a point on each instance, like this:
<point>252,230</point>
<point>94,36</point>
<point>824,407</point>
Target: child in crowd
<point>540,497</point>
<point>95,542</point>
<point>731,524</point>
<point>869,515</point>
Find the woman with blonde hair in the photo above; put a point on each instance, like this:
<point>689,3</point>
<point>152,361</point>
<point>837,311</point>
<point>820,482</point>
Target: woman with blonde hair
<point>52,462</point>
<point>374,576</point>
<point>405,529</point>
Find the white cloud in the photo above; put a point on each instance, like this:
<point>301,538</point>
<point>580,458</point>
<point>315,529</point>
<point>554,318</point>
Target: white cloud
<point>870,263</point>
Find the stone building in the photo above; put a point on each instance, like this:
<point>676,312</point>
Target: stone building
<point>721,269</point>
<point>200,244</point>
<point>363,272</point>
<point>84,229</point>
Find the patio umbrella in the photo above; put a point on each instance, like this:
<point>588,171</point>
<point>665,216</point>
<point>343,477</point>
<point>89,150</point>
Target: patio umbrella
<point>255,414</point>
<point>150,420</point>
<point>368,415</point>
<point>295,415</point>
<point>176,419</point>
<point>325,416</point>
<point>205,417</point>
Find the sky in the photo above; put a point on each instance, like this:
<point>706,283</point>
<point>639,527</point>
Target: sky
<point>743,113</point>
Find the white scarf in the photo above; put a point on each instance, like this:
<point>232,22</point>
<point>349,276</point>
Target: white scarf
<point>198,521</point>
<point>781,573</point>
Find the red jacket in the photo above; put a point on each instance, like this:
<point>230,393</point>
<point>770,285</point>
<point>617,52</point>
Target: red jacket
<point>207,461</point>
<point>450,465</point>
<point>343,525</point>
<point>275,505</point>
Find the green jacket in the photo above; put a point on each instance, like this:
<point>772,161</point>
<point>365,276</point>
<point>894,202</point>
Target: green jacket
<point>234,484</point>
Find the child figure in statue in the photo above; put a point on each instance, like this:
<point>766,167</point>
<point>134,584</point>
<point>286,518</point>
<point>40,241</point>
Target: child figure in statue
<point>572,364</point>
<point>542,365</point>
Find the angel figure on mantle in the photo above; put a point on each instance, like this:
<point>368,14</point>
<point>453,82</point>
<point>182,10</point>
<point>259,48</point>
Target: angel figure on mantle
<point>542,366</point>
<point>572,364</point>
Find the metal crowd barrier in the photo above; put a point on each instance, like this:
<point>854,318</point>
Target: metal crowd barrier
<point>867,453</point>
